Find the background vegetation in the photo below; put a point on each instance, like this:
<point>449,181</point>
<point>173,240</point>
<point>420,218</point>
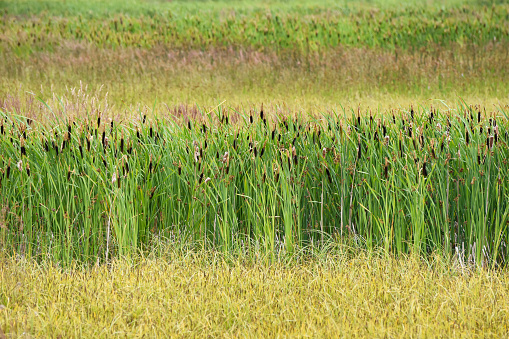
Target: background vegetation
<point>304,54</point>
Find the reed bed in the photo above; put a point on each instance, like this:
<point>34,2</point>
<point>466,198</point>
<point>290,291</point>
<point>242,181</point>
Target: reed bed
<point>301,29</point>
<point>418,181</point>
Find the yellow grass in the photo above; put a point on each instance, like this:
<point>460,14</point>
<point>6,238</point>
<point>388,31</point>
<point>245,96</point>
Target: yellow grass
<point>197,295</point>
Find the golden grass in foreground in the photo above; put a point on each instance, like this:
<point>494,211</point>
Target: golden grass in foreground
<point>197,295</point>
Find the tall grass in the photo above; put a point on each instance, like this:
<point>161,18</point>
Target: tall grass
<point>292,29</point>
<point>95,188</point>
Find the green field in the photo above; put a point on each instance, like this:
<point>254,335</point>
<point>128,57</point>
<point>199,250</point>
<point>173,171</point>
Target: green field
<point>265,168</point>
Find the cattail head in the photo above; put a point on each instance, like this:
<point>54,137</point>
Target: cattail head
<point>386,140</point>
<point>328,174</point>
<point>8,170</point>
<point>152,191</point>
<point>23,150</point>
<point>424,170</point>
<point>226,158</point>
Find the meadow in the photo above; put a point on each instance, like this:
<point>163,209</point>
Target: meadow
<point>261,169</point>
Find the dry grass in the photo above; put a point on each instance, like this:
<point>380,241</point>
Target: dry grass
<point>353,76</point>
<point>202,295</point>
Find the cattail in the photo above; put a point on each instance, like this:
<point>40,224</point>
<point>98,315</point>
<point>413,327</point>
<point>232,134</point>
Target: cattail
<point>490,142</point>
<point>151,194</point>
<point>23,150</point>
<point>261,113</point>
<point>28,169</point>
<point>412,113</point>
<point>98,121</point>
<point>8,171</point>
<point>262,151</point>
<point>189,124</point>
<point>424,171</point>
<point>273,133</point>
<point>359,151</point>
<point>88,144</point>
<point>328,174</point>
<point>2,130</point>
<point>478,116</point>
<point>81,150</point>
<point>122,143</point>
<point>251,119</point>
<point>467,137</point>
<point>69,173</point>
<point>386,168</point>
<point>144,118</point>
<point>386,140</point>
<point>151,132</point>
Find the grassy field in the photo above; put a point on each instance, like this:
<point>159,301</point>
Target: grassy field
<point>259,169</point>
<point>196,295</point>
<point>307,55</point>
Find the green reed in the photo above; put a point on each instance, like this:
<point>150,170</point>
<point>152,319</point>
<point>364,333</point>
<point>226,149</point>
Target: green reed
<point>419,181</point>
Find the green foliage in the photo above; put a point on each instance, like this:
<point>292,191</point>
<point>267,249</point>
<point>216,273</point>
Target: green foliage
<point>302,29</point>
<point>419,182</point>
